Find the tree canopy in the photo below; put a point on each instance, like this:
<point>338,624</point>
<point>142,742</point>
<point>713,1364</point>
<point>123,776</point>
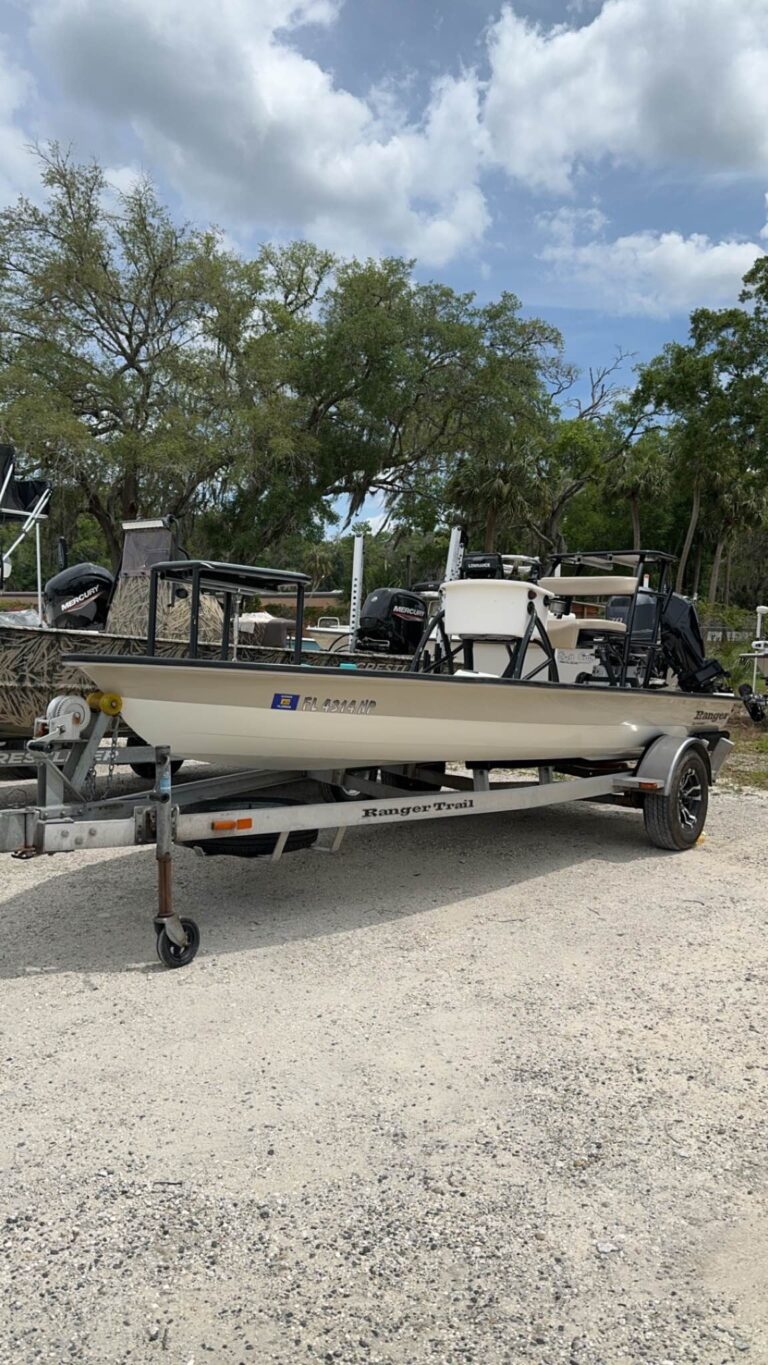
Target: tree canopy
<point>146,368</point>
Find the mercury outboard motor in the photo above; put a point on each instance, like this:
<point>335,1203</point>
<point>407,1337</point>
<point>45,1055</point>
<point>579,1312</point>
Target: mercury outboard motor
<point>392,621</point>
<point>78,598</point>
<point>617,609</point>
<point>683,645</point>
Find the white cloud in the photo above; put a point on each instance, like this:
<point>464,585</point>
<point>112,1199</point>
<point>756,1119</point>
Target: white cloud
<point>653,273</point>
<point>680,83</point>
<point>16,90</point>
<point>123,179</point>
<point>565,225</point>
<point>241,121</point>
<point>218,99</point>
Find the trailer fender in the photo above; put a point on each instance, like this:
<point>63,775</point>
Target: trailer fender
<point>662,757</point>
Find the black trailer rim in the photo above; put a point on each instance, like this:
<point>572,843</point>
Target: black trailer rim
<point>689,798</point>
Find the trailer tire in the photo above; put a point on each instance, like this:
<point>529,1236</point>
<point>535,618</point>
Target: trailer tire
<point>675,820</point>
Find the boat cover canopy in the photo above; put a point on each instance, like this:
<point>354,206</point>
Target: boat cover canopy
<point>218,577</point>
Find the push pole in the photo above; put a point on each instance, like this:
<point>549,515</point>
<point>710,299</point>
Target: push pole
<point>762,612</point>
<point>356,593</point>
<point>39,563</point>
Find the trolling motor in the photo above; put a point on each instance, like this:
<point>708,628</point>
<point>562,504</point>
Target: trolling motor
<point>756,703</point>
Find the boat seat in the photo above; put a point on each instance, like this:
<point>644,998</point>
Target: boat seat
<point>595,625</point>
<point>593,585</point>
<point>563,634</point>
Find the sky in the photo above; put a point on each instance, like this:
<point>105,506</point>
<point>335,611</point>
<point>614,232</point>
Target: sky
<point>606,162</point>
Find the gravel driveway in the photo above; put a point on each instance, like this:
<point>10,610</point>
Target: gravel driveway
<point>488,1090</point>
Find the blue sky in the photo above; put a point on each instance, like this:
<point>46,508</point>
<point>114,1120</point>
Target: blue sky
<point>607,162</point>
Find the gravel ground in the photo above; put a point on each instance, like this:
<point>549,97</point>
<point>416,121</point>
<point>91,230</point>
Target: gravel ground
<point>489,1090</point>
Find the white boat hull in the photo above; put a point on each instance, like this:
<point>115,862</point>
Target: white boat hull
<point>300,718</point>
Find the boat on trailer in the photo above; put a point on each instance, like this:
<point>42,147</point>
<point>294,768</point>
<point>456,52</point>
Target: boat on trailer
<point>483,685</point>
<point>642,723</point>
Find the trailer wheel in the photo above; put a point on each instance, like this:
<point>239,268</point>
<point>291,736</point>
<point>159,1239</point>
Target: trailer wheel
<point>170,954</point>
<point>676,820</point>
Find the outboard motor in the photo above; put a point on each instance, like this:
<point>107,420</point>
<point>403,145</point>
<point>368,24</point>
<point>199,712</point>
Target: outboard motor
<point>78,598</point>
<point>617,609</point>
<point>681,640</point>
<point>392,621</point>
<point>683,646</point>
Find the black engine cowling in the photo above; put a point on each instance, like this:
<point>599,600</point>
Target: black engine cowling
<point>392,621</point>
<point>682,644</point>
<point>78,598</point>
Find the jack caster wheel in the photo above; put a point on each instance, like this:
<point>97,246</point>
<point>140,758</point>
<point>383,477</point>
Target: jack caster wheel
<point>170,954</point>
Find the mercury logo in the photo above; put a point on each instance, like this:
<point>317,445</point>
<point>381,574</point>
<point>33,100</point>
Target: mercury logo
<point>81,597</point>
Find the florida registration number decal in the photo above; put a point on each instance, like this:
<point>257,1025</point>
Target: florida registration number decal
<point>337,705</point>
<point>293,701</point>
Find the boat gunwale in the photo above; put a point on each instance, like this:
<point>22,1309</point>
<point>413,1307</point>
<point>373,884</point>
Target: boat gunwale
<point>312,670</point>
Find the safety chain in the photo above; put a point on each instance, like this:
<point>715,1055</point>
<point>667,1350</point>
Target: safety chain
<point>112,753</point>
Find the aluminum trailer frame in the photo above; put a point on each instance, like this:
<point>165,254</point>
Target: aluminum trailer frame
<point>671,781</point>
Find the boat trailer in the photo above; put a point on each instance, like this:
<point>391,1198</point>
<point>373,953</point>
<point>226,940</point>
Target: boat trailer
<point>240,813</point>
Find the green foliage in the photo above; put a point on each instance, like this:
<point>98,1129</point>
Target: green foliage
<point>109,378</point>
<point>147,370</point>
